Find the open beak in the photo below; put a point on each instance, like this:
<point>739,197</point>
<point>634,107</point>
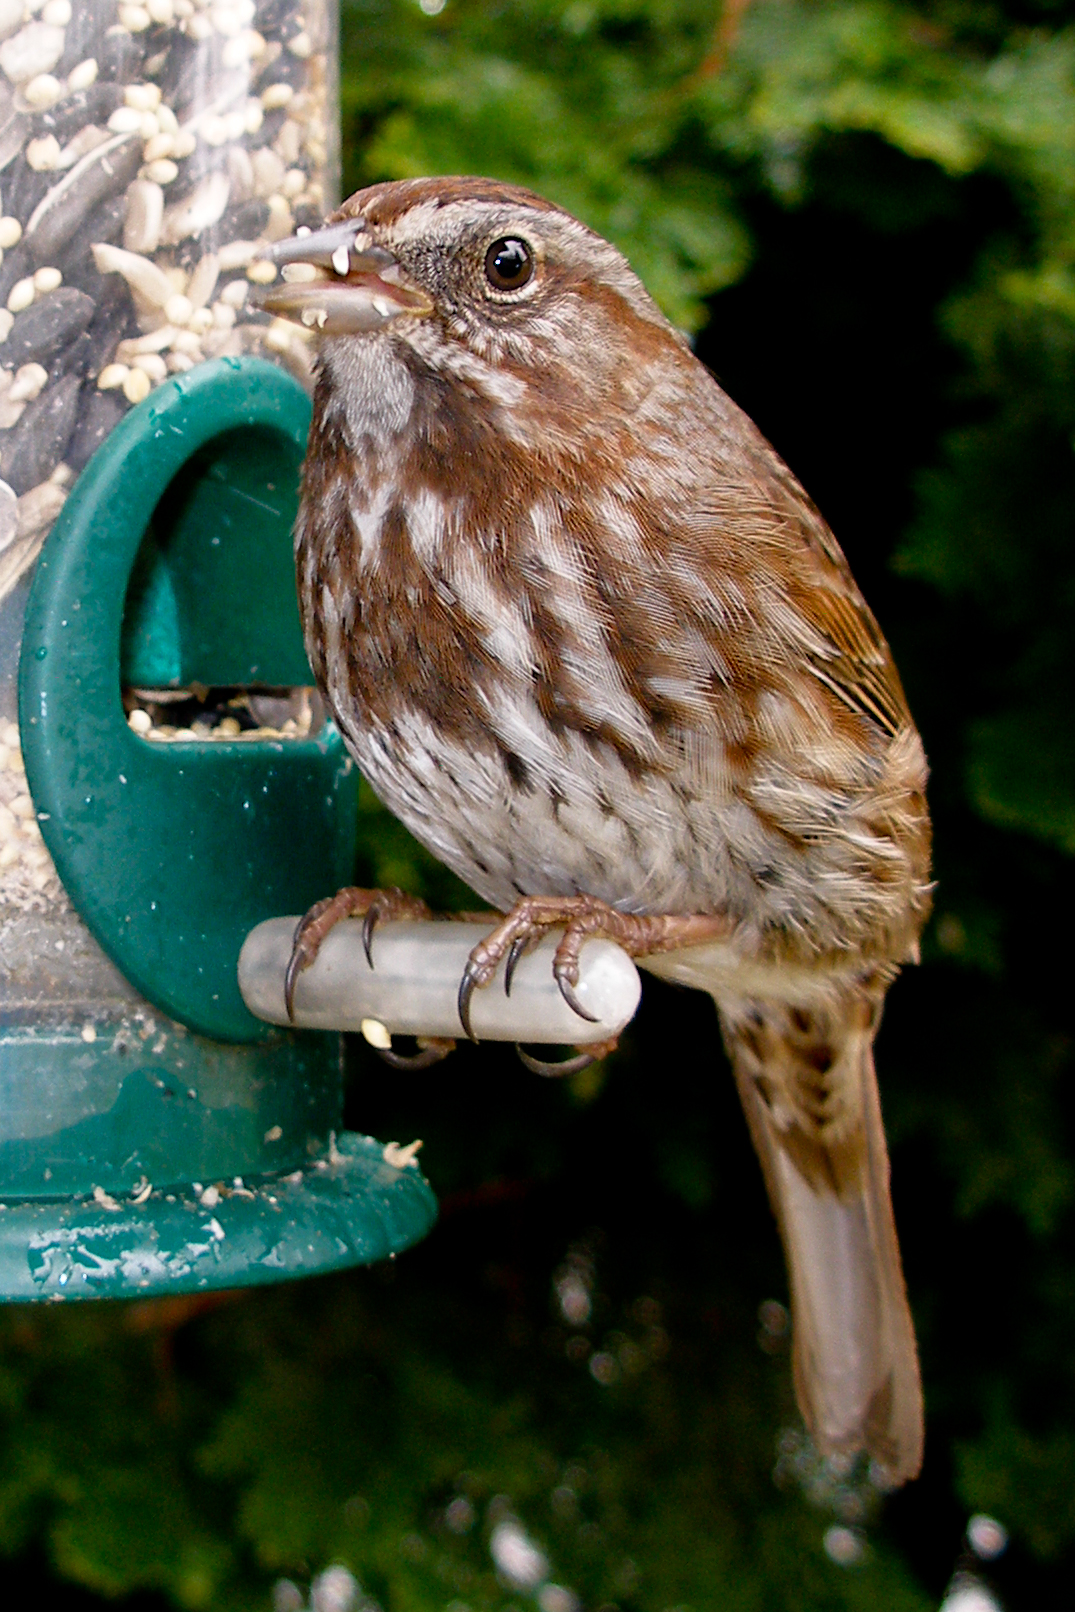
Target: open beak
<point>358,288</point>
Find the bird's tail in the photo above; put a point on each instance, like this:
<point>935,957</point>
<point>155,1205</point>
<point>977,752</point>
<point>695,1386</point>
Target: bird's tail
<point>807,1083</point>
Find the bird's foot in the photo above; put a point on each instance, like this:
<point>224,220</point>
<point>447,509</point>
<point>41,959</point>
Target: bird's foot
<point>582,918</point>
<point>351,902</point>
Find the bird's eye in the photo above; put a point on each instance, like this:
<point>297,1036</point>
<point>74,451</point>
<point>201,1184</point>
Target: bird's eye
<point>509,263</point>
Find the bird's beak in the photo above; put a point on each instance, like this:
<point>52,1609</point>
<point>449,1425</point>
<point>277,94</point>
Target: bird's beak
<point>357,287</point>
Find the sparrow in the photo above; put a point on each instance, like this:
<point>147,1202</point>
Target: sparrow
<point>588,638</point>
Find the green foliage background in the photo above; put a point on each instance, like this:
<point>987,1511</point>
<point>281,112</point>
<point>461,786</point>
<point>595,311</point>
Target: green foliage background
<point>864,209</point>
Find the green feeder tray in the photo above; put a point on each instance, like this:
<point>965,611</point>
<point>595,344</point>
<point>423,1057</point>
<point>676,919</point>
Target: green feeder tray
<point>156,1137</point>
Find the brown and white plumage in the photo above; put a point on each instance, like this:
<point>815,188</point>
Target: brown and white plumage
<point>586,634</point>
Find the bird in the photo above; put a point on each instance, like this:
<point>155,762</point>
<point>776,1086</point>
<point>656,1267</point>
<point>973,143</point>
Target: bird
<point>589,639</point>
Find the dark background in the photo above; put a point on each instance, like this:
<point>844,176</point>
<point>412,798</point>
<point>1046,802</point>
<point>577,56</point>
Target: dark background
<point>865,212</point>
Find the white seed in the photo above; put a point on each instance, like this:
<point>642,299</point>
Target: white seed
<point>374,1032</point>
<point>226,20</point>
<point>300,45</point>
<point>199,28</point>
<point>278,336</point>
<point>111,376</point>
<point>10,413</point>
<point>7,824</point>
<point>125,120</point>
<point>134,18</point>
<point>203,281</point>
<point>43,154</point>
<point>86,140</point>
<point>223,315</point>
<point>201,320</point>
<point>27,383</point>
<point>6,321</point>
<point>47,279</point>
<point>34,49</point>
<point>240,174</point>
<point>143,97</point>
<point>149,126</point>
<point>294,182</point>
<point>167,119</point>
<point>253,117</point>
<point>160,146</point>
<point>11,736</point>
<point>268,171</point>
<point>139,721</point>
<point>186,342</point>
<point>213,130</point>
<point>160,172</point>
<point>183,143</point>
<point>10,231</point>
<point>237,51</point>
<point>183,9</point>
<point>202,207</point>
<point>178,309</point>
<point>82,76</point>
<point>261,271</point>
<point>42,92</point>
<point>38,508</point>
<point>237,254</point>
<point>145,214</point>
<point>178,363</point>
<point>57,13</point>
<point>235,293</point>
<point>276,95</point>
<point>137,386</point>
<point>235,124</point>
<point>288,142</point>
<point>296,273</point>
<point>161,11</point>
<point>152,364</point>
<point>9,852</point>
<point>279,224</point>
<point>140,273</point>
<point>155,341</point>
<point>20,296</point>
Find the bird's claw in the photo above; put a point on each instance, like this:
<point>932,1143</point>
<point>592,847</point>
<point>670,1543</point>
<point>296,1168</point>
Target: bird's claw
<point>518,947</point>
<point>472,977</point>
<point>369,924</point>
<point>568,1066</point>
<point>351,902</point>
<point>567,991</point>
<point>434,1049</point>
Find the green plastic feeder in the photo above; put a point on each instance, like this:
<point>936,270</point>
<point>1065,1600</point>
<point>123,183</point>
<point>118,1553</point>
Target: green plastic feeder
<point>154,1136</point>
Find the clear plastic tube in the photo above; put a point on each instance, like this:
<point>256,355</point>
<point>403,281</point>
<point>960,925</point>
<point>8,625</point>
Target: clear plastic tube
<point>414,983</point>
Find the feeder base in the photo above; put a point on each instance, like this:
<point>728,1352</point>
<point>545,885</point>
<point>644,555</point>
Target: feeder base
<point>347,1208</point>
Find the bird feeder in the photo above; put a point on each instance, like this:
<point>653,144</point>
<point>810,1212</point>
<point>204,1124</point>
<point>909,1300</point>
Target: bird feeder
<point>155,1136</point>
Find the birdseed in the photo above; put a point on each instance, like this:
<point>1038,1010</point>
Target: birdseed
<point>149,156</point>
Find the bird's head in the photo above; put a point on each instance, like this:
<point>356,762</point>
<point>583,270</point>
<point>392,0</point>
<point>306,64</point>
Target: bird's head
<point>464,266</point>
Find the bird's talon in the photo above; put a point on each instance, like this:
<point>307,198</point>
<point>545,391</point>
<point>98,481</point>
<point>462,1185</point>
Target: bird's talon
<point>434,1050</point>
<point>518,947</point>
<point>569,1066</point>
<point>369,924</point>
<point>295,966</point>
<point>567,991</point>
<point>466,991</point>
